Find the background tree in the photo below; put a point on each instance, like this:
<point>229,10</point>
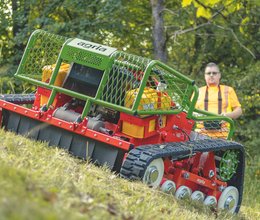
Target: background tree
<point>159,39</point>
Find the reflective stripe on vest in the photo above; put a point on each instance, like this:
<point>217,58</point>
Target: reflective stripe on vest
<point>226,98</point>
<point>206,100</point>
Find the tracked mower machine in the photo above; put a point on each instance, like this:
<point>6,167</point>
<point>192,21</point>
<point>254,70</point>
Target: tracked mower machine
<point>134,115</point>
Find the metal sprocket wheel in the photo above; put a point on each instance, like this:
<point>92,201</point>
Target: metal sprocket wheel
<point>228,165</point>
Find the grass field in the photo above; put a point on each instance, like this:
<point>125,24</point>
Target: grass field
<point>38,182</point>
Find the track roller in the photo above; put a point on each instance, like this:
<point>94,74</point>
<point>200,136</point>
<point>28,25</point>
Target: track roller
<point>168,187</point>
<point>154,173</point>
<point>229,199</point>
<point>210,201</point>
<point>183,192</point>
<point>197,196</point>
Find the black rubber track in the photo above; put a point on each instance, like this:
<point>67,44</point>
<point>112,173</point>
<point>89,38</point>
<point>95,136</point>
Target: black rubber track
<point>19,98</point>
<point>139,158</point>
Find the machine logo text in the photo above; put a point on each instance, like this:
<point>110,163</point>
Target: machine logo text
<point>95,47</point>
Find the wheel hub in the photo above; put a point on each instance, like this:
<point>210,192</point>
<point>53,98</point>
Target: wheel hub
<point>197,196</point>
<point>168,187</point>
<point>210,201</point>
<point>230,203</point>
<point>152,174</point>
<point>184,195</point>
<point>183,192</point>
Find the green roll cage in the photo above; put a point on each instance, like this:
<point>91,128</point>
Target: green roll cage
<point>120,71</point>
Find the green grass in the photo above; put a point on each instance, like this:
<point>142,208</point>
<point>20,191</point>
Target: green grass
<point>39,182</point>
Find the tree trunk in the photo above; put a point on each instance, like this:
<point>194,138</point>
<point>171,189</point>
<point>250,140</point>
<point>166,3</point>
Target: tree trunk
<point>14,17</point>
<point>159,38</point>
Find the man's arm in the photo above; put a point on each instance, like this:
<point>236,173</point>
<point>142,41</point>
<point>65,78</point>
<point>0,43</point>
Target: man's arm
<point>234,114</point>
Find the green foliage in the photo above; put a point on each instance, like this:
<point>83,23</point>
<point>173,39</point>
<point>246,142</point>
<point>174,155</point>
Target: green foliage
<point>12,86</point>
<point>85,19</point>
<point>206,8</point>
<point>249,124</point>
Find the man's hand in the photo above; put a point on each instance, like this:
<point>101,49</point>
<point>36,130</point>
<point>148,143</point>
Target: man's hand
<point>234,114</point>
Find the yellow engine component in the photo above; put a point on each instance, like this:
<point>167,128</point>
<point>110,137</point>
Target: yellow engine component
<point>151,125</point>
<point>133,130</point>
<point>46,75</point>
<point>47,71</point>
<point>151,99</point>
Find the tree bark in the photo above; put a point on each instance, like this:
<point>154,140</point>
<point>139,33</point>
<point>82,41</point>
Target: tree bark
<point>159,35</point>
<point>14,17</point>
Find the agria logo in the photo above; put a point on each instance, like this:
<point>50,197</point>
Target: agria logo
<point>92,46</point>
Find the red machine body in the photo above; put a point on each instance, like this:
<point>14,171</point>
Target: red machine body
<point>197,172</point>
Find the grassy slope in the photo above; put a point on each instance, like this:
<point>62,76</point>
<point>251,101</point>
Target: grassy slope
<point>38,182</point>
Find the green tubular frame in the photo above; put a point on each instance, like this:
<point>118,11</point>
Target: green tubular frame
<point>208,116</point>
<point>189,82</point>
<point>69,54</point>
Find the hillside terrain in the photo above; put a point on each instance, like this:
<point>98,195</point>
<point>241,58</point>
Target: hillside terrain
<point>39,182</point>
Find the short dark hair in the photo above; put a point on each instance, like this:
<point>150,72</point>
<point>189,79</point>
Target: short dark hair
<point>211,64</point>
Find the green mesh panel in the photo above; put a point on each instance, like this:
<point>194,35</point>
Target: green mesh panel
<point>42,51</point>
<point>163,90</point>
<point>125,75</point>
<point>173,92</point>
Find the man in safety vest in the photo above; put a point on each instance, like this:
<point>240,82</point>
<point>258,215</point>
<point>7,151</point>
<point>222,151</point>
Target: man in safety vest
<point>219,99</point>
<point>216,98</point>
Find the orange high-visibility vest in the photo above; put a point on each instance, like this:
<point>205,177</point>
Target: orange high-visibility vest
<point>217,99</point>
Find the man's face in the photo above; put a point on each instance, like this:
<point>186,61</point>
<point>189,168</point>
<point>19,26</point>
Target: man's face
<point>212,76</point>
